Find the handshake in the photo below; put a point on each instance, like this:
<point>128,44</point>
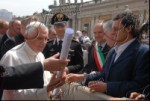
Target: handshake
<point>53,64</point>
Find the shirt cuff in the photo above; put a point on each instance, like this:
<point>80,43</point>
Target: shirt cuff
<point>85,77</point>
<point>42,62</point>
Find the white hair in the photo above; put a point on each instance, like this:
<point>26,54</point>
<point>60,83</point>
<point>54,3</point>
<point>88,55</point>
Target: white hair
<point>34,29</point>
<point>107,26</point>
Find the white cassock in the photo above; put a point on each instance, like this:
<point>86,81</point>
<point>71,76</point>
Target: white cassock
<point>22,54</point>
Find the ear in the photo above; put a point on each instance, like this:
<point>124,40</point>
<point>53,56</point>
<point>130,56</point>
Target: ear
<point>128,29</point>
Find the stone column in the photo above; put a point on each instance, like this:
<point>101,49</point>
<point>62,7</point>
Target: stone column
<point>92,25</point>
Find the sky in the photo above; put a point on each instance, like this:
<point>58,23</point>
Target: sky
<point>26,7</point>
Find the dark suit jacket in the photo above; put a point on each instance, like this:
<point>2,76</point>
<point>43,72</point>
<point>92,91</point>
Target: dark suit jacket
<point>21,77</point>
<point>91,66</point>
<point>19,39</point>
<point>6,43</point>
<point>75,54</point>
<point>125,75</point>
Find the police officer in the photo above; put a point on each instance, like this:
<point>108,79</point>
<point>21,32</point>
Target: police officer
<point>59,20</point>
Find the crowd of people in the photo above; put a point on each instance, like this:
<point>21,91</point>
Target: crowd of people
<point>116,62</point>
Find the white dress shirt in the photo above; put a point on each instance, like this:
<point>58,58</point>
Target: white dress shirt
<point>119,49</point>
<point>22,54</point>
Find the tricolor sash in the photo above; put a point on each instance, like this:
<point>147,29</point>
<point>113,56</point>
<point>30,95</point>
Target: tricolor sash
<point>99,57</point>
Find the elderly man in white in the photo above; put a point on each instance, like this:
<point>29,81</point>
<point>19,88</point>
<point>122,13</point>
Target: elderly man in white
<point>36,35</point>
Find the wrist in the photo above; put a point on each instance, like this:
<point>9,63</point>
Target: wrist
<point>83,76</point>
<point>105,90</point>
<point>45,65</point>
<point>49,89</point>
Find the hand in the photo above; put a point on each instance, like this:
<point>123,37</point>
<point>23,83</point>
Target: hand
<point>66,70</point>
<point>74,78</point>
<point>55,82</point>
<point>57,97</point>
<point>136,96</point>
<point>54,64</point>
<point>97,86</point>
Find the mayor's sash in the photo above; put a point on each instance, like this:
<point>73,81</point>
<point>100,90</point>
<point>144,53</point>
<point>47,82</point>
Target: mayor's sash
<point>99,57</point>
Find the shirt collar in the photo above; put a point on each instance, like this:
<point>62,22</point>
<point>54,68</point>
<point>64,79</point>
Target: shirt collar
<point>56,41</point>
<point>29,50</point>
<point>121,48</point>
<point>102,45</point>
<point>9,37</point>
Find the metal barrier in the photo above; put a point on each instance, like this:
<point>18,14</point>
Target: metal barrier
<point>75,91</point>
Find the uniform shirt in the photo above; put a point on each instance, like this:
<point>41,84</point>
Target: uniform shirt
<point>22,54</point>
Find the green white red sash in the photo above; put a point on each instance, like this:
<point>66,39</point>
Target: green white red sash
<point>99,57</point>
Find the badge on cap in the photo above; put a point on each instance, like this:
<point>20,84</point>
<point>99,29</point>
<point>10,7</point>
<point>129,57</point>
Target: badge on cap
<point>59,18</point>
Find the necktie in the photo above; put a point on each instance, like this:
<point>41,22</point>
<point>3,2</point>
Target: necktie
<point>60,44</point>
<point>114,56</point>
<point>100,47</point>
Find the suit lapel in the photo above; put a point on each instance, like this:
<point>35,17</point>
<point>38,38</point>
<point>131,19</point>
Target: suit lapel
<point>125,54</point>
<point>105,50</point>
<point>56,46</point>
<point>128,51</point>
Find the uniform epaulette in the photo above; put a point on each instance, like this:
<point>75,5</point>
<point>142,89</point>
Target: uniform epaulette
<point>50,41</point>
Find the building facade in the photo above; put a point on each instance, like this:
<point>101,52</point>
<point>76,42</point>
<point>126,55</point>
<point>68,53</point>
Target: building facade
<point>85,15</point>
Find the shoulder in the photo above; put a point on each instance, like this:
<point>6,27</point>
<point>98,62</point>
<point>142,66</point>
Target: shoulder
<point>75,42</point>
<point>8,57</point>
<point>143,48</point>
<point>51,42</point>
<point>12,53</point>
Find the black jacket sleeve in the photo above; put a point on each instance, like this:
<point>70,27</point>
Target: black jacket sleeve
<point>23,76</point>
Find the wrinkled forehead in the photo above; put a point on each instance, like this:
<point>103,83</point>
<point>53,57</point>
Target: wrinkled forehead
<point>98,27</point>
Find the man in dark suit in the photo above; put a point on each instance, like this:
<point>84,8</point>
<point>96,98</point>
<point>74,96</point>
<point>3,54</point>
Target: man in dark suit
<point>59,21</point>
<point>104,49</point>
<point>127,67</point>
<point>9,40</point>
<point>25,76</point>
<point>3,27</point>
